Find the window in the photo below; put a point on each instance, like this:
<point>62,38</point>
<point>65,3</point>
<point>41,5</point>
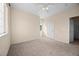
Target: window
<point>1,18</point>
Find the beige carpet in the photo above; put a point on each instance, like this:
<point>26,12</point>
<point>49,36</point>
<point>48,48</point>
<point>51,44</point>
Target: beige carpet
<point>44,48</point>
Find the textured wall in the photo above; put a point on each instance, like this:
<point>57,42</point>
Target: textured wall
<point>61,23</point>
<point>24,26</point>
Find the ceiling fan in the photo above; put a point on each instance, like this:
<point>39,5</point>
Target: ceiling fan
<point>44,6</point>
<point>43,9</point>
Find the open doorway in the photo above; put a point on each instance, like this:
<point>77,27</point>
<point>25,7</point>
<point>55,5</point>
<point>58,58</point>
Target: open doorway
<point>74,29</point>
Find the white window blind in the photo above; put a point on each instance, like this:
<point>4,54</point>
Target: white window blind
<point>1,18</point>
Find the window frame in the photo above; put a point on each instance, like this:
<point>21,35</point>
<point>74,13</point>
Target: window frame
<point>5,20</point>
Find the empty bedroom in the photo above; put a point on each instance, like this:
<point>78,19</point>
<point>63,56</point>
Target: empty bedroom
<point>39,29</point>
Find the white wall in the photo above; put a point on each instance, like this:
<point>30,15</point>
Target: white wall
<point>4,45</point>
<point>5,40</point>
<point>61,23</point>
<point>24,26</point>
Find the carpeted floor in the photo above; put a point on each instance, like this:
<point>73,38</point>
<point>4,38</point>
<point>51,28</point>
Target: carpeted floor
<point>44,48</point>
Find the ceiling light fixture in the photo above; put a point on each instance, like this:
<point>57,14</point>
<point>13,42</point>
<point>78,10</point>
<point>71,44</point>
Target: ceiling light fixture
<point>45,8</point>
<point>43,11</point>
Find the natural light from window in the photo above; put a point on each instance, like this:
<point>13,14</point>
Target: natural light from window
<point>1,18</point>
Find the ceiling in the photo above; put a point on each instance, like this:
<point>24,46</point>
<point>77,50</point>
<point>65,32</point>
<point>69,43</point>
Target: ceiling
<point>53,8</point>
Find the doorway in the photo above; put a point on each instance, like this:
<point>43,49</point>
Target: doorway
<point>74,29</point>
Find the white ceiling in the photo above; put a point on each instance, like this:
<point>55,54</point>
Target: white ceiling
<point>53,8</point>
